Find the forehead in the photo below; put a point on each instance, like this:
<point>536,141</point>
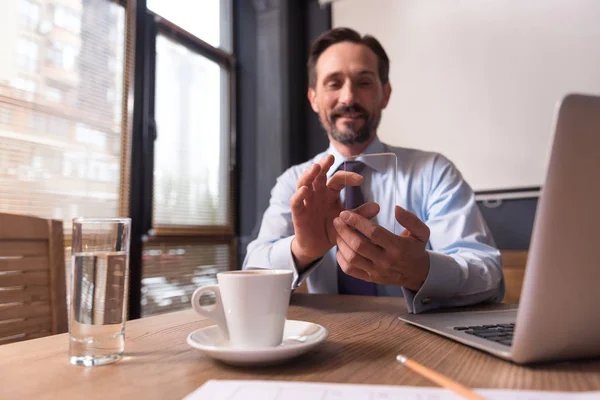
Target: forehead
<point>346,58</point>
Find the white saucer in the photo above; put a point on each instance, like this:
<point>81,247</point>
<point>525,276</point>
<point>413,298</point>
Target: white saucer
<point>298,338</point>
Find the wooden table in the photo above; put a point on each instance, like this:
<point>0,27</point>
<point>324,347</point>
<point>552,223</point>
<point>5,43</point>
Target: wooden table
<point>365,337</point>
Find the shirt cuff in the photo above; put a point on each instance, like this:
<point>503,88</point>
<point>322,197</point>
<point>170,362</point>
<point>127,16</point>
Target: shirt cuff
<point>442,282</point>
<point>281,257</point>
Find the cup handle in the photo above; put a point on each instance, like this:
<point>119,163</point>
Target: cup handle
<point>215,314</point>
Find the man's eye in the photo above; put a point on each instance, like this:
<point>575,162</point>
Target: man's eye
<point>333,85</point>
<point>365,83</point>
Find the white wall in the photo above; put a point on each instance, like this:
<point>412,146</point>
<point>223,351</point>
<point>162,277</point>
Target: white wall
<point>478,80</point>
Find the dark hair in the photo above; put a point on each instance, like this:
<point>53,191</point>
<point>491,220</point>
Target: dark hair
<point>338,35</point>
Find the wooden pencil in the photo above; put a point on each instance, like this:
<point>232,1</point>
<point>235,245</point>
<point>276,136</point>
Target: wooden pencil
<point>438,378</point>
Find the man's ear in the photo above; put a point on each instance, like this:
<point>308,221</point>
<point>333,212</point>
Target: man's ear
<point>387,92</point>
<point>312,97</point>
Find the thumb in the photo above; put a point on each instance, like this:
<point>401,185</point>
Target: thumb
<point>368,210</point>
<point>413,225</point>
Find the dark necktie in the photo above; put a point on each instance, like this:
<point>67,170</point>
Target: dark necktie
<point>354,198</point>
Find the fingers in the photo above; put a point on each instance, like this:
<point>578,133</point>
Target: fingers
<point>413,224</point>
<point>378,235</point>
<point>341,179</point>
<point>368,210</point>
<point>298,198</point>
<point>309,176</point>
<point>355,242</point>
<point>351,270</point>
<point>352,257</point>
<point>320,181</point>
<point>326,163</point>
<point>316,175</point>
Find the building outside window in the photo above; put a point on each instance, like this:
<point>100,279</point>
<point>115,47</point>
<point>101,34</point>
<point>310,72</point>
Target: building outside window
<point>29,15</point>
<point>68,18</point>
<point>62,55</point>
<point>5,115</point>
<point>41,131</point>
<point>27,55</point>
<point>53,94</point>
<point>26,88</point>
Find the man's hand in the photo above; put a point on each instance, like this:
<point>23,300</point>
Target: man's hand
<point>381,256</point>
<point>314,206</point>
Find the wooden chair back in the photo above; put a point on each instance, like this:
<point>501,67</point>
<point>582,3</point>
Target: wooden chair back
<point>513,265</point>
<point>33,301</point>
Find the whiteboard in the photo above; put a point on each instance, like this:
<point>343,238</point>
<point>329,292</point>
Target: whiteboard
<point>479,80</point>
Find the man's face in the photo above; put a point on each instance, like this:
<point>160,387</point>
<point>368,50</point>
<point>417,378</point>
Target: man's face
<point>348,95</point>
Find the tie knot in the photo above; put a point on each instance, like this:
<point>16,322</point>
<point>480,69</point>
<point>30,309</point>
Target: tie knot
<point>352,166</point>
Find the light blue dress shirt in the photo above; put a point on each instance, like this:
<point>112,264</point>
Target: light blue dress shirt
<point>464,263</point>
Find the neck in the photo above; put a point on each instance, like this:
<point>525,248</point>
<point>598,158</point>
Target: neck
<point>348,150</point>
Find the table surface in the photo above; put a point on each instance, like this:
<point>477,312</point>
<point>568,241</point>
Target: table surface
<point>364,338</point>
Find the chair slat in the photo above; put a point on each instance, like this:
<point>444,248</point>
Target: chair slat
<point>28,278</point>
<point>32,325</point>
<point>24,264</point>
<point>23,336</point>
<point>28,295</point>
<point>23,248</point>
<point>14,311</point>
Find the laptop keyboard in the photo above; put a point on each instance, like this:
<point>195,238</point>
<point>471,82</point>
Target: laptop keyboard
<point>501,333</point>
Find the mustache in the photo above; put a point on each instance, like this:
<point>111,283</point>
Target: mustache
<point>355,108</point>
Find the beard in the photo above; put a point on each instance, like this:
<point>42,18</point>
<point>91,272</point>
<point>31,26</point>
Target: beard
<point>350,135</point>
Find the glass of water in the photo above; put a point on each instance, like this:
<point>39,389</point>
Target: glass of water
<point>98,290</point>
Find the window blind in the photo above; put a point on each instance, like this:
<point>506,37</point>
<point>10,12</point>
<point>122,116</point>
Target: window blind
<point>172,272</point>
<point>61,108</point>
<point>192,150</point>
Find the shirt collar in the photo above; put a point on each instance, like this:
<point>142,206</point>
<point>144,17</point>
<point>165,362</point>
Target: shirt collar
<point>375,147</point>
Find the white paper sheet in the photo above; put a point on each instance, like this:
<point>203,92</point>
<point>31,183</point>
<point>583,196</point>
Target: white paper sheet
<point>274,390</point>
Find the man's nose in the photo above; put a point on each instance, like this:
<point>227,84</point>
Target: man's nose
<point>347,95</point>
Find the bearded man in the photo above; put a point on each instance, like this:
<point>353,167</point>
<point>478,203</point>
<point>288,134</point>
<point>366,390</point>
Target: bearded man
<point>445,255</point>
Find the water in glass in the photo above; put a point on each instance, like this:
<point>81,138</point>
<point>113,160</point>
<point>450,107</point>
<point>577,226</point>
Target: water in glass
<point>98,305</point>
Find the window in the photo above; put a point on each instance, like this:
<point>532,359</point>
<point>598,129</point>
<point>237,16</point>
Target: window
<point>208,20</point>
<point>27,55</point>
<point>53,94</point>
<point>5,115</point>
<point>62,55</point>
<point>37,122</point>
<point>190,93</point>
<point>29,15</point>
<point>90,136</point>
<point>192,206</point>
<point>64,139</point>
<point>26,88</point>
<point>49,125</point>
<point>65,152</point>
<point>69,19</point>
<point>59,126</point>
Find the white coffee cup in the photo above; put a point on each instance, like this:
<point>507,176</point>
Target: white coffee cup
<point>251,306</point>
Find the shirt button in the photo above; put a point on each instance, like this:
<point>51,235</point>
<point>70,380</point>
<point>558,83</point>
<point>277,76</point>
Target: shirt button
<point>426,300</point>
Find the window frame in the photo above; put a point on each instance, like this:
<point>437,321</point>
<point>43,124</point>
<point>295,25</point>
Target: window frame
<point>227,62</point>
<point>149,26</point>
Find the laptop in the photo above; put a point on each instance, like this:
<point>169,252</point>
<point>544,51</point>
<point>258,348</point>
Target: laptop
<point>558,317</point>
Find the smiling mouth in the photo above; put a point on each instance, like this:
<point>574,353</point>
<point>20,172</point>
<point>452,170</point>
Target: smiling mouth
<point>351,116</point>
